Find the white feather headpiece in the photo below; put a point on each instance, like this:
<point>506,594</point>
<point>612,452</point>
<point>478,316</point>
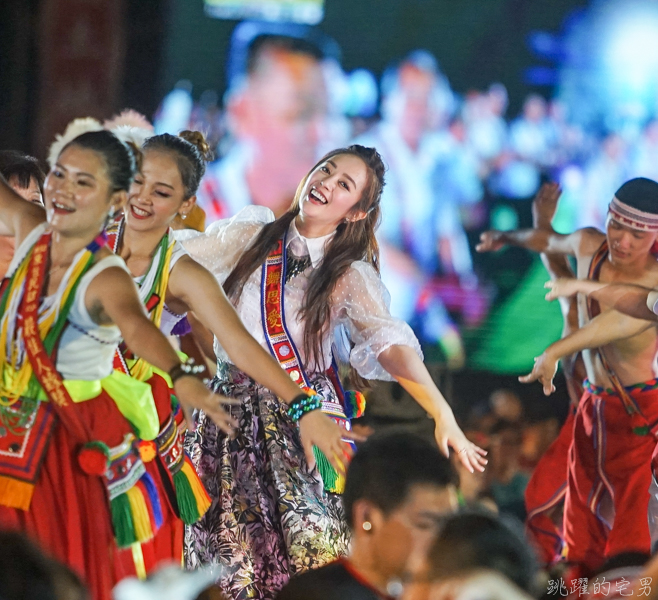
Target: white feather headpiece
<point>73,130</point>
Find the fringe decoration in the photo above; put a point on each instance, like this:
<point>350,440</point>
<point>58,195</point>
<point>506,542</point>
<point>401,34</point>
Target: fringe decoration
<point>140,514</point>
<point>15,493</point>
<point>193,500</point>
<point>151,492</point>
<point>122,521</point>
<point>333,481</point>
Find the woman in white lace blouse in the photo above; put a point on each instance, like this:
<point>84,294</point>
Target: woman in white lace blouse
<point>272,515</point>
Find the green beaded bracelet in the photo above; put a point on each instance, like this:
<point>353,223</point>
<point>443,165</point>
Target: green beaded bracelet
<point>303,404</point>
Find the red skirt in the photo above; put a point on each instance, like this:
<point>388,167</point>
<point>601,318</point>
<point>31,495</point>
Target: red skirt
<point>69,516</point>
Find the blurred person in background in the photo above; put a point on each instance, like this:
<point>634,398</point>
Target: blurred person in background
<point>604,172</point>
<point>275,114</point>
<point>25,177</point>
<point>26,573</point>
<point>421,231</point>
<point>476,555</point>
<point>398,489</point>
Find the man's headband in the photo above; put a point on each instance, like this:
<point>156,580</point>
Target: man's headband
<point>632,217</point>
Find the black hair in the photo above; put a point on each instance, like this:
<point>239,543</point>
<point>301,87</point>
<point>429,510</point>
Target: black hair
<point>121,159</point>
<point>191,151</point>
<point>474,540</point>
<point>21,166</point>
<point>27,574</point>
<point>387,466</point>
<point>267,42</point>
<point>640,193</point>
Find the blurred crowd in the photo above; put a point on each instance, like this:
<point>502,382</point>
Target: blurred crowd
<point>451,157</point>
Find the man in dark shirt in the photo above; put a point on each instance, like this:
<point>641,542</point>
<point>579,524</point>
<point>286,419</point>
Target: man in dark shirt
<point>397,490</point>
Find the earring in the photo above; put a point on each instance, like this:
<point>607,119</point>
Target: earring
<point>367,526</point>
<point>183,215</point>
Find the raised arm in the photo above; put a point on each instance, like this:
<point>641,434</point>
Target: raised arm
<point>201,293</point>
<point>112,298</point>
<point>17,216</point>
<point>610,326</point>
<point>632,300</point>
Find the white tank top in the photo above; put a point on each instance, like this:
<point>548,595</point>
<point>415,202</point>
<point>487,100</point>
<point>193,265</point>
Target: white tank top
<point>86,350</point>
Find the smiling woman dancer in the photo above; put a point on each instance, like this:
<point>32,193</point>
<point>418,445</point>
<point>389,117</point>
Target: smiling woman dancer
<point>71,475</point>
<point>170,284</point>
<point>295,281</point>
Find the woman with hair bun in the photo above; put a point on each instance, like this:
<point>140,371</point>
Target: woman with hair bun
<point>305,284</point>
<point>71,471</point>
<point>171,284</point>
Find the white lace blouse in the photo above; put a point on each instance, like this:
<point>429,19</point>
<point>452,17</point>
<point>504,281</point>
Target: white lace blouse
<point>361,326</point>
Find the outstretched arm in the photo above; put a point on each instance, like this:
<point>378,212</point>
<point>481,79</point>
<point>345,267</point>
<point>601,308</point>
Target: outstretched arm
<point>405,366</point>
<point>112,298</point>
<point>610,326</point>
<point>629,299</point>
<point>199,290</point>
<point>537,240</point>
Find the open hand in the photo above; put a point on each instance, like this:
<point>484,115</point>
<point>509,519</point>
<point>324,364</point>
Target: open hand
<point>490,241</point>
<point>192,393</point>
<point>544,372</point>
<point>448,435</point>
<point>317,429</point>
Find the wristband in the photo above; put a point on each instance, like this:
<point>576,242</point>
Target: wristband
<point>303,404</point>
<point>182,369</point>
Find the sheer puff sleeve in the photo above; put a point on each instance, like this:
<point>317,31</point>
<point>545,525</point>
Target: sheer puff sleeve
<point>220,247</point>
<point>361,309</point>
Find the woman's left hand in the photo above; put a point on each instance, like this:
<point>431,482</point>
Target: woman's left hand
<point>449,435</point>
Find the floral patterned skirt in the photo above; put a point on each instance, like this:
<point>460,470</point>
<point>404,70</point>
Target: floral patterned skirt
<point>270,517</point>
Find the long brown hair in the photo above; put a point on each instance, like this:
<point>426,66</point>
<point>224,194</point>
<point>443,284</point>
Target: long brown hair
<point>354,240</point>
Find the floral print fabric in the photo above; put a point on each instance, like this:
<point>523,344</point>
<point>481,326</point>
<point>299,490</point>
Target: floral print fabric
<point>270,517</point>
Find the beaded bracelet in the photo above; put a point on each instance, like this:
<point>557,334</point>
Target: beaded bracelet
<point>182,369</point>
<point>303,404</point>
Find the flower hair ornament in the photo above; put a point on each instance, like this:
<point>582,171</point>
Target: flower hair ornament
<point>73,130</point>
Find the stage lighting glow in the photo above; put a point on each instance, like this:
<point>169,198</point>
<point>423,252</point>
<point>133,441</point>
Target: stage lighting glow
<point>632,56</point>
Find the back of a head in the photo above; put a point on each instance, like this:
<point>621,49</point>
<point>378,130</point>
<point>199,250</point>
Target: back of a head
<point>471,541</point>
<point>387,466</point>
<point>21,166</point>
<point>27,574</point>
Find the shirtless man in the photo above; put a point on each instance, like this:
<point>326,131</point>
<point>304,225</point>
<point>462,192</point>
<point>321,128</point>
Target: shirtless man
<point>609,459</point>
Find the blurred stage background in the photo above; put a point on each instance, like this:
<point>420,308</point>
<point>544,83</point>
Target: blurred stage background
<point>472,104</point>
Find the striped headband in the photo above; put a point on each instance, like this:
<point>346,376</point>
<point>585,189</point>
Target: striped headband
<point>632,217</point>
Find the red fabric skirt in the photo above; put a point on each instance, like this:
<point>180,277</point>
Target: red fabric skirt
<point>69,516</point>
<point>545,493</point>
<point>609,475</point>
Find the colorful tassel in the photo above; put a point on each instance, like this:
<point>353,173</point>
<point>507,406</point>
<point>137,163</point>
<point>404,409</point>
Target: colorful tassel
<point>193,500</point>
<point>140,514</point>
<point>151,492</point>
<point>333,481</point>
<point>122,521</point>
<point>355,404</point>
